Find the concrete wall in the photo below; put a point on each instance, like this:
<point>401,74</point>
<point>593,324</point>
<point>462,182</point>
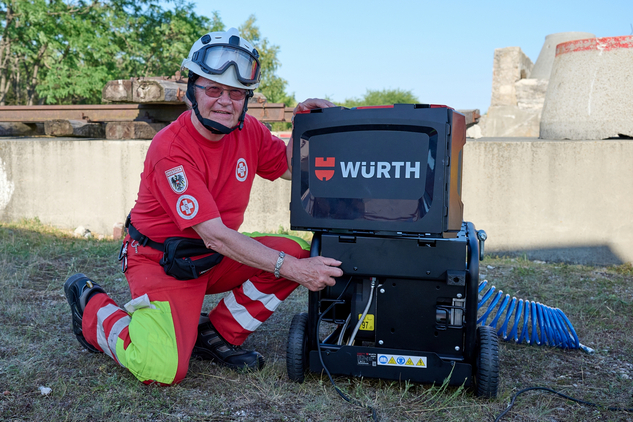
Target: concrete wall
<point>68,183</point>
<point>551,200</point>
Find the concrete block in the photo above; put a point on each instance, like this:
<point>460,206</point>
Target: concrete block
<point>589,94</point>
<point>511,121</point>
<point>474,132</point>
<point>510,65</point>
<point>530,93</point>
<point>543,65</point>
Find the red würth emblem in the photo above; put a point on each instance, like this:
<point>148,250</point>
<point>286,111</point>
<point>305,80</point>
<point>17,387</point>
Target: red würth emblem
<point>324,174</point>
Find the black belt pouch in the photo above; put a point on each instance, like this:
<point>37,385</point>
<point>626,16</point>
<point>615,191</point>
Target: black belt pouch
<point>187,259</point>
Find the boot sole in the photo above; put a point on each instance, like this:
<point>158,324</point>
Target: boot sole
<point>205,354</point>
<point>80,337</point>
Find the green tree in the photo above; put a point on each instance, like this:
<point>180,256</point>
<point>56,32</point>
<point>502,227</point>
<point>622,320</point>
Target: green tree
<point>382,97</point>
<point>81,50</point>
<point>64,51</point>
<point>127,40</point>
<point>161,39</point>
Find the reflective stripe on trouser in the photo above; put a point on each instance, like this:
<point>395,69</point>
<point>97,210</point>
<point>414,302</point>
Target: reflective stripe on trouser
<point>144,343</point>
<point>156,344</point>
<point>244,309</point>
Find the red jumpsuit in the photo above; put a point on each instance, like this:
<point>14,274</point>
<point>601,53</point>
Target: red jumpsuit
<point>186,180</point>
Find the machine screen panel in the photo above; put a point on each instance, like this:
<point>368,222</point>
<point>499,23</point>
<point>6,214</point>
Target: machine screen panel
<point>385,175</point>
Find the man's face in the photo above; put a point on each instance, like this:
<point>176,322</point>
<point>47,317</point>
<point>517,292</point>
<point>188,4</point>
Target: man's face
<point>223,109</point>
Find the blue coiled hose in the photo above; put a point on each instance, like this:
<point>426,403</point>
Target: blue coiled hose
<point>541,325</point>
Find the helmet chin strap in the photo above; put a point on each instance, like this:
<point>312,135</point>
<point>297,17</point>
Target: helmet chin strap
<point>211,125</point>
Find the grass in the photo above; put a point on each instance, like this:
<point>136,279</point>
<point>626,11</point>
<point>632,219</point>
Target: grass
<point>37,348</point>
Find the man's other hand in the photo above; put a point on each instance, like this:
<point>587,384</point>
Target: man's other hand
<point>315,273</point>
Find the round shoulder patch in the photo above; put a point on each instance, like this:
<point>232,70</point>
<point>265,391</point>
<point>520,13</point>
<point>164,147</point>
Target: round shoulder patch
<point>187,207</point>
<point>241,170</point>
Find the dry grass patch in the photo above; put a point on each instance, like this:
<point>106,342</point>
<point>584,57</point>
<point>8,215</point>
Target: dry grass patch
<point>37,348</point>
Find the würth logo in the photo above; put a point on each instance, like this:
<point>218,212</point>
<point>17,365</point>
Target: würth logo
<point>325,168</point>
<point>324,174</point>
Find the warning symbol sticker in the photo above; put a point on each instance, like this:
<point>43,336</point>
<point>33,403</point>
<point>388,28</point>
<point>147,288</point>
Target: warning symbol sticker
<point>368,322</point>
<point>418,362</point>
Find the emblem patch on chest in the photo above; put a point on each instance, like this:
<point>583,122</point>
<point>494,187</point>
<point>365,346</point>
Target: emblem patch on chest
<point>241,170</point>
<point>177,179</point>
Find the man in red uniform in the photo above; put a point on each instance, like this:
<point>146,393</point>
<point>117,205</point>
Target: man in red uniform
<point>196,184</point>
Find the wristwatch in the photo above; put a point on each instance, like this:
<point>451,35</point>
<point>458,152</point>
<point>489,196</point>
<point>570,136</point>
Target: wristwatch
<point>280,261</point>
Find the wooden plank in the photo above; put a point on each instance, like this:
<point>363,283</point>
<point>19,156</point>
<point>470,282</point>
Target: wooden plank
<point>78,128</point>
<point>118,90</point>
<point>145,90</point>
<point>93,113</point>
<point>151,91</point>
<point>123,112</point>
<point>132,130</point>
<point>17,129</point>
<point>267,112</point>
<point>472,115</point>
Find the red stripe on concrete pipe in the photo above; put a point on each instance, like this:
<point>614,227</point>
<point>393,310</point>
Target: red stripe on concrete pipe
<point>598,44</point>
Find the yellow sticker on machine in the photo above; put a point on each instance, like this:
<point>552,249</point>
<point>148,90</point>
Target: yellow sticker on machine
<point>418,362</point>
<point>368,322</point>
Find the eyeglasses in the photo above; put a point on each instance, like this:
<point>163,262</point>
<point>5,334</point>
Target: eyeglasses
<point>216,92</point>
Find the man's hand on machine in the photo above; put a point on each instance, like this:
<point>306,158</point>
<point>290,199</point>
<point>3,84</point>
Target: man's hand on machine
<point>315,273</point>
<point>312,103</point>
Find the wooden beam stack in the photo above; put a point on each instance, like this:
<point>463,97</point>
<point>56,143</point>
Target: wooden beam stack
<point>135,108</point>
<point>146,90</point>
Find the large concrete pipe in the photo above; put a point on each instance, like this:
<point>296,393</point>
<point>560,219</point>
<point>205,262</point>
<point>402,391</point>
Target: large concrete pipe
<point>590,90</point>
<point>543,66</point>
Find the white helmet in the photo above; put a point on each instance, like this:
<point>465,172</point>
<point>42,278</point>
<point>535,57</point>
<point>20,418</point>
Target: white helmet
<point>225,58</point>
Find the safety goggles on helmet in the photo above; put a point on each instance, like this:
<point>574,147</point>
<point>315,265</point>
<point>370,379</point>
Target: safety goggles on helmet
<point>215,59</point>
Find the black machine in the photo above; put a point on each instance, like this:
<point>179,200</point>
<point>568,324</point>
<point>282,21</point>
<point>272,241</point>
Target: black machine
<point>380,188</point>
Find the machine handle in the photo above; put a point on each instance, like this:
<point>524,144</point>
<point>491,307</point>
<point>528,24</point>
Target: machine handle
<point>482,236</point>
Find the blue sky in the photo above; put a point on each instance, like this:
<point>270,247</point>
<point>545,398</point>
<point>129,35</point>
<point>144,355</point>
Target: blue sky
<point>442,51</point>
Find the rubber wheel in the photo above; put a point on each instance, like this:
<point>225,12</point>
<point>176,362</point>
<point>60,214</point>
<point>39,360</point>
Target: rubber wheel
<point>296,350</point>
<point>487,363</point>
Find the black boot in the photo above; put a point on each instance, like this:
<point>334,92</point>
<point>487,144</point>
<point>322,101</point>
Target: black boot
<point>211,346</point>
<point>78,289</point>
